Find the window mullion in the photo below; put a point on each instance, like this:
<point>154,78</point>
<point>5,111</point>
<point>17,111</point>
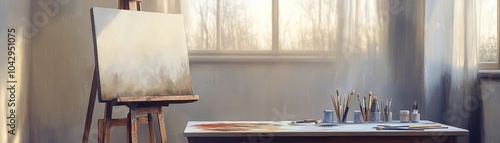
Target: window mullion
<point>218,26</point>
<point>275,26</point>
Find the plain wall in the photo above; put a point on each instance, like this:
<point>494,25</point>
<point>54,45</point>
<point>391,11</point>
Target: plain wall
<point>490,91</point>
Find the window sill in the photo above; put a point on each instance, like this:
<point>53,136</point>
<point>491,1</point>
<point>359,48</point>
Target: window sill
<point>489,73</point>
<point>242,59</point>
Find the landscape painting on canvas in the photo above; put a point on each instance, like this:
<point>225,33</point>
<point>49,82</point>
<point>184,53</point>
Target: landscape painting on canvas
<point>140,54</point>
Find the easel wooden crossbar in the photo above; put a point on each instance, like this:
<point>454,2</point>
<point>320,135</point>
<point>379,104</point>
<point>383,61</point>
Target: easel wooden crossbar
<point>138,105</point>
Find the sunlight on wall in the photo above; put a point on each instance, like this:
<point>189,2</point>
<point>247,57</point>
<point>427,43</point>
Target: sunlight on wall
<point>3,65</point>
<point>14,78</point>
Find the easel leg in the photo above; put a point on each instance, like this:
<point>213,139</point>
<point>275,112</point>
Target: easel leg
<point>90,108</point>
<point>128,128</point>
<point>100,127</point>
<point>161,123</point>
<point>151,129</point>
<point>133,126</point>
<point>108,112</point>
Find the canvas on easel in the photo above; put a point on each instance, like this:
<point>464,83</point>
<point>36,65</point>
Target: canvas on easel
<point>141,61</point>
<point>140,54</point>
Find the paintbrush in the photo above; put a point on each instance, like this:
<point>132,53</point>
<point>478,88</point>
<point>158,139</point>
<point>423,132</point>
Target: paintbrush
<point>317,121</point>
<point>370,97</point>
<point>346,98</point>
<point>381,108</point>
<point>363,104</point>
<point>351,97</point>
<point>390,105</point>
<point>384,109</point>
<point>382,112</point>
<point>415,107</point>
<point>365,107</point>
<point>374,104</point>
<point>341,109</point>
<point>344,105</point>
<point>361,108</point>
<point>348,105</point>
<point>334,104</point>
<point>338,106</point>
<point>387,109</point>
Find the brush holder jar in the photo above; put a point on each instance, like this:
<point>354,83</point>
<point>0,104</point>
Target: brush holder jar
<point>415,117</point>
<point>375,117</point>
<point>358,118</point>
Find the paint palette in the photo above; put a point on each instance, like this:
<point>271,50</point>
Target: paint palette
<point>232,127</point>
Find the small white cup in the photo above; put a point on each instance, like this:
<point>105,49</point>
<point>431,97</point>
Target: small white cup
<point>415,117</point>
<point>404,116</point>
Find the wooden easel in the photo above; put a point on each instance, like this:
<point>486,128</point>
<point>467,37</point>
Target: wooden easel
<point>130,4</point>
<point>137,105</point>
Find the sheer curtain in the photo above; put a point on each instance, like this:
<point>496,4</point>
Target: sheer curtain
<point>463,95</point>
<point>361,41</point>
<point>365,39</point>
<point>463,92</point>
<point>452,35</point>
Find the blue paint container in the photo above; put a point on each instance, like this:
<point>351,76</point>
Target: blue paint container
<point>328,116</point>
<point>358,118</point>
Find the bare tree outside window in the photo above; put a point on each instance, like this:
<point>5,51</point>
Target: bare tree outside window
<point>200,24</point>
<point>229,25</point>
<point>304,25</point>
<point>307,24</point>
<point>245,25</point>
<point>488,51</point>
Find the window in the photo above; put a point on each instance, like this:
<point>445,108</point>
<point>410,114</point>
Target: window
<point>306,24</point>
<point>254,27</point>
<point>228,25</point>
<point>488,35</point>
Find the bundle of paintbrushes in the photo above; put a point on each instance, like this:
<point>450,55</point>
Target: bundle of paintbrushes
<point>386,114</point>
<point>370,106</point>
<point>341,105</point>
<point>366,105</point>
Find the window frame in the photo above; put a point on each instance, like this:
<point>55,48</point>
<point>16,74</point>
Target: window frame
<point>275,54</point>
<point>488,66</point>
<point>492,70</point>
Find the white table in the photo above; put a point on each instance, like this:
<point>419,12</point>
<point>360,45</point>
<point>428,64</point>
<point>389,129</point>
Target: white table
<point>284,131</point>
